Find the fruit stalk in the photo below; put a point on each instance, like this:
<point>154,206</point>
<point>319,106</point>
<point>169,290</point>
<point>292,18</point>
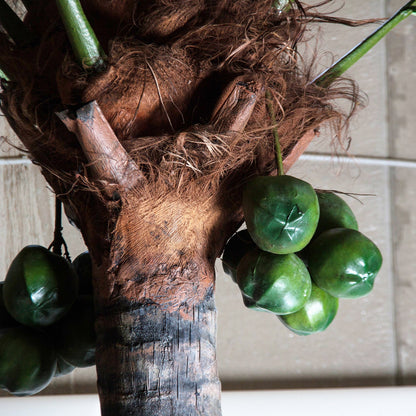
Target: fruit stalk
<point>56,245</point>
<point>14,27</point>
<point>84,42</point>
<point>58,239</point>
<point>279,158</point>
<point>283,5</point>
<point>338,68</point>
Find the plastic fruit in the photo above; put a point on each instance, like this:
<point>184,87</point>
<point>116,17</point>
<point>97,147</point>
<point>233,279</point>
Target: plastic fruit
<point>27,361</point>
<point>40,287</point>
<point>281,213</point>
<point>83,267</point>
<point>250,304</point>
<point>318,312</point>
<point>235,249</point>
<point>62,367</point>
<point>6,320</point>
<point>75,336</point>
<point>273,282</point>
<point>334,213</point>
<point>344,262</point>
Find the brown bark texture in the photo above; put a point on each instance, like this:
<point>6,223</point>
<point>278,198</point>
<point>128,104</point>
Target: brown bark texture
<point>152,361</point>
<point>150,157</point>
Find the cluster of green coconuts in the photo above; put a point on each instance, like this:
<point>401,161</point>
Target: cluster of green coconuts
<point>46,319</point>
<point>301,252</point>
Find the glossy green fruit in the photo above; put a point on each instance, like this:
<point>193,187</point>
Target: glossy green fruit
<point>235,249</point>
<point>83,267</point>
<point>318,312</point>
<point>6,320</point>
<point>250,304</point>
<point>344,262</point>
<point>62,367</point>
<point>27,361</point>
<point>281,213</point>
<point>334,213</point>
<point>75,335</point>
<point>40,287</point>
<point>273,282</point>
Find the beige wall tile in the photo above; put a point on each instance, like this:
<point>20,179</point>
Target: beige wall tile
<point>401,69</point>
<point>84,381</point>
<point>369,128</point>
<point>255,350</point>
<point>73,238</point>
<point>17,7</point>
<point>404,239</point>
<point>80,381</point>
<point>9,143</point>
<point>401,60</point>
<point>27,214</point>
<point>26,211</point>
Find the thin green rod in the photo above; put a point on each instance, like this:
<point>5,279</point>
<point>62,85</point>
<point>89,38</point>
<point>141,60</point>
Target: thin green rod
<point>85,45</point>
<point>4,76</point>
<point>14,27</point>
<point>338,68</point>
<point>283,5</point>
<point>278,149</point>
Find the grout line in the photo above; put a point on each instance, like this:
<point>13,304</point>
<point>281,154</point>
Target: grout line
<point>391,119</point>
<point>390,131</point>
<point>314,157</point>
<point>16,160</point>
<point>393,268</point>
<point>360,160</point>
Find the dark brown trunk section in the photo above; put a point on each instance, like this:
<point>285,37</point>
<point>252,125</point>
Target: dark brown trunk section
<point>154,362</point>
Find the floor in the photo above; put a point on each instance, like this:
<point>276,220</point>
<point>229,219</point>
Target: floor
<point>372,341</point>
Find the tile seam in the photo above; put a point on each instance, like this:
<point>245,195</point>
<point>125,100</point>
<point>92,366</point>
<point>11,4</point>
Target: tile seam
<point>314,157</point>
<point>398,376</point>
<point>359,160</point>
<point>10,161</point>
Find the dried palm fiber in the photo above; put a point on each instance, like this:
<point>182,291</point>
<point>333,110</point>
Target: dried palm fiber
<point>168,62</point>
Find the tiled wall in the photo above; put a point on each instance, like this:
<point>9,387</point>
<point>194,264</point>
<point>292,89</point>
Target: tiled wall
<point>372,341</point>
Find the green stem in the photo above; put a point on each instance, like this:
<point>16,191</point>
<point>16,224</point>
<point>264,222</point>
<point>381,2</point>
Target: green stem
<point>278,149</point>
<point>14,27</point>
<point>283,5</point>
<point>3,76</point>
<point>85,45</point>
<point>339,67</point>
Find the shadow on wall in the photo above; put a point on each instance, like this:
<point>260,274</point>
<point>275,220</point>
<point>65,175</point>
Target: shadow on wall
<point>309,383</point>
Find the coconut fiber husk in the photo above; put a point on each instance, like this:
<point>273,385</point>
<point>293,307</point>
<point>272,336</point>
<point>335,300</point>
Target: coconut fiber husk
<point>169,61</point>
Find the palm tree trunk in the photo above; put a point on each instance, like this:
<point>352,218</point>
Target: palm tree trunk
<point>156,316</point>
<point>152,361</point>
